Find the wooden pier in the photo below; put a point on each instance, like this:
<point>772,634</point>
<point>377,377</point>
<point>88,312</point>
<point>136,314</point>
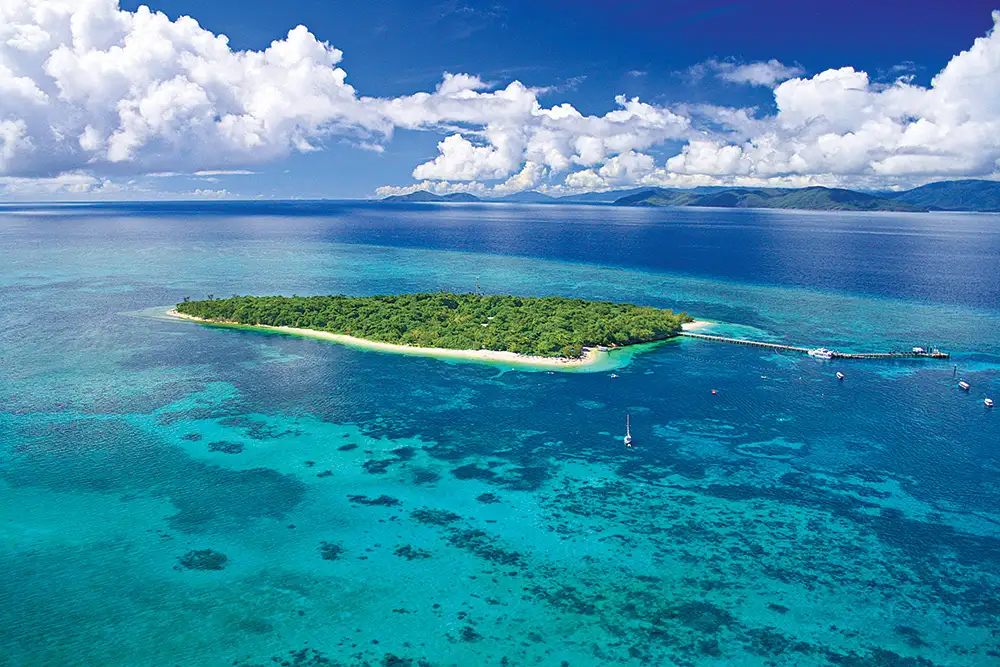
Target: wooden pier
<point>933,354</point>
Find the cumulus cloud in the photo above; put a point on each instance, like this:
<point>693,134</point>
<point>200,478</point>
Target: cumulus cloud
<point>838,124</point>
<point>84,85</point>
<point>89,92</point>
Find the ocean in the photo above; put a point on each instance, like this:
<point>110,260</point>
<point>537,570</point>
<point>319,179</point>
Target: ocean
<point>176,494</point>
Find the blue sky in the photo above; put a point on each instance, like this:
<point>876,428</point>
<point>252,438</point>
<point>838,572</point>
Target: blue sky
<point>690,66</point>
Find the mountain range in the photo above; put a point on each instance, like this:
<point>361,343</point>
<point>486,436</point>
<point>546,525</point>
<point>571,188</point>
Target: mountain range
<point>966,195</point>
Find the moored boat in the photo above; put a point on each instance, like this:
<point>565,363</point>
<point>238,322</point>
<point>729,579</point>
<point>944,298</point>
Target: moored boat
<point>840,376</point>
<point>988,402</point>
<point>963,385</point>
<point>821,353</point>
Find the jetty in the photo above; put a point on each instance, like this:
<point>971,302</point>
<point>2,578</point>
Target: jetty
<point>916,353</point>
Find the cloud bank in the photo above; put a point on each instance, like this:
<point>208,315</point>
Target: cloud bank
<point>90,93</point>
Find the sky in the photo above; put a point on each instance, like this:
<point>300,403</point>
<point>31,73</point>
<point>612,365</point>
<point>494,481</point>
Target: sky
<point>110,99</point>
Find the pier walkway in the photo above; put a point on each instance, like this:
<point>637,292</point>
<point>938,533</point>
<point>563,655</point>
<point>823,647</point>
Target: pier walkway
<point>933,354</point>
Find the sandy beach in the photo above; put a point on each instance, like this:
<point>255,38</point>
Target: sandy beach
<point>590,356</point>
<point>697,324</point>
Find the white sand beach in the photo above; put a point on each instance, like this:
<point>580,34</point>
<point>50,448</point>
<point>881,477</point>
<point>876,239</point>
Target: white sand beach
<point>697,324</point>
<point>590,356</point>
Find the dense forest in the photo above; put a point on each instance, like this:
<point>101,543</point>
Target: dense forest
<point>550,326</point>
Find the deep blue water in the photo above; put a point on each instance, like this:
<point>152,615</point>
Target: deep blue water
<point>377,509</point>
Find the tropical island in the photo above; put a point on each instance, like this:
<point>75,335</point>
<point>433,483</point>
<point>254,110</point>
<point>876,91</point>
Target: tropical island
<point>552,330</point>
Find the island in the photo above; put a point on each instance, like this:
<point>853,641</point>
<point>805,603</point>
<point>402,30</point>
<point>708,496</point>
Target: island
<point>551,331</point>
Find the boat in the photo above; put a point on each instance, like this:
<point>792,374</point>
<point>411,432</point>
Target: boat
<point>988,402</point>
<point>602,348</point>
<point>840,376</point>
<point>963,385</point>
<point>628,432</point>
<point>821,353</point>
<point>919,350</point>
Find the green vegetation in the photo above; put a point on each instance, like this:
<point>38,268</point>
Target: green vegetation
<point>549,327</point>
<point>966,195</point>
<point>813,199</point>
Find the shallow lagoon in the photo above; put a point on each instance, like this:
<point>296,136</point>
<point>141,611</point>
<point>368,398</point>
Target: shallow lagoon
<point>381,509</point>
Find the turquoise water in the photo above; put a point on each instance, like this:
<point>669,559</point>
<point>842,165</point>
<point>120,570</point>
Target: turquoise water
<point>388,510</point>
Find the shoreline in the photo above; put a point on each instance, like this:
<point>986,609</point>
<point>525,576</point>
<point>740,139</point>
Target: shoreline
<point>592,359</point>
<point>590,356</point>
<point>696,325</point>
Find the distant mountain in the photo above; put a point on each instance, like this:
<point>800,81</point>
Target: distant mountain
<point>530,197</point>
<point>424,196</point>
<point>460,197</point>
<point>812,199</point>
<point>969,195</point>
<point>599,197</point>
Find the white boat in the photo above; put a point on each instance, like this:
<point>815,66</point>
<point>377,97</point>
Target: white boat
<point>602,348</point>
<point>919,350</point>
<point>628,431</point>
<point>821,353</point>
<point>963,385</point>
<point>988,402</point>
<point>840,376</point>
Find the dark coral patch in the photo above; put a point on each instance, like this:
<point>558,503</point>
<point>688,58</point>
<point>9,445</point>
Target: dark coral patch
<point>425,476</point>
<point>383,500</point>
<point>203,559</point>
<point>701,616</point>
<point>225,447</point>
<point>404,453</point>
<point>330,551</point>
<point>374,467</point>
<point>411,553</point>
<point>482,545</point>
<point>473,472</point>
<point>434,517</point>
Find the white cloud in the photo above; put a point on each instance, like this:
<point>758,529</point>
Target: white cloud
<point>93,87</point>
<point>764,73</point>
<point>90,93</point>
<point>839,126</point>
<point>437,187</point>
<point>529,178</point>
<point>515,129</point>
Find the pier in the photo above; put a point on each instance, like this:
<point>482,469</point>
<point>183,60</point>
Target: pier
<point>933,354</point>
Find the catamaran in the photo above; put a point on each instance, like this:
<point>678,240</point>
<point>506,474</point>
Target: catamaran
<point>628,431</point>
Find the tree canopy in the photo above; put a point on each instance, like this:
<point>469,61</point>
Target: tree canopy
<point>549,326</point>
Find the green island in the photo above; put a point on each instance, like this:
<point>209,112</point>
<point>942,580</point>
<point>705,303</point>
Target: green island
<point>549,327</point>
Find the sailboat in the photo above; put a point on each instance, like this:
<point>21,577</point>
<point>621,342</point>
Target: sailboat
<point>628,431</point>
